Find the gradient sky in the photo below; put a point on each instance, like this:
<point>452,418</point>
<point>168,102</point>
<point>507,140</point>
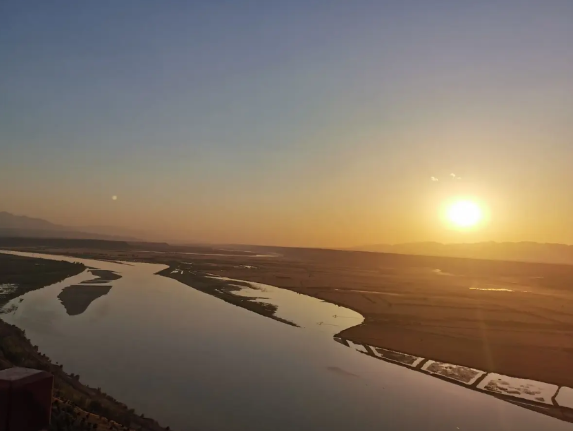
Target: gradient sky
<point>313,123</point>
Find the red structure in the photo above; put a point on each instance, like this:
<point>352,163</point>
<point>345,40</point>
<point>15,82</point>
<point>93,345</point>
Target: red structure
<point>25,399</point>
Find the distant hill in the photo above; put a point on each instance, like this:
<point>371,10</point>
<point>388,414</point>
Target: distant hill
<point>18,226</point>
<point>112,231</point>
<point>16,222</point>
<point>517,251</point>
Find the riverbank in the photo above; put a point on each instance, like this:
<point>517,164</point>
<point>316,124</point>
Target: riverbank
<point>514,324</point>
<point>513,318</point>
<point>76,404</point>
<point>19,275</point>
<point>223,290</point>
<point>510,318</point>
<point>546,398</point>
<point>17,351</point>
<point>218,273</point>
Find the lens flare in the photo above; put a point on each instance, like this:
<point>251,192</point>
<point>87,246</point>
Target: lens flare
<point>464,213</point>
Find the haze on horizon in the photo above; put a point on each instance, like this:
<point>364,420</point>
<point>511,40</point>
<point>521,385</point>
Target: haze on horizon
<point>304,123</point>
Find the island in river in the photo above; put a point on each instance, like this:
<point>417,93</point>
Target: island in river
<point>76,299</point>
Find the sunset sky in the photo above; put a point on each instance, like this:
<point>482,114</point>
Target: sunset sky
<point>311,123</point>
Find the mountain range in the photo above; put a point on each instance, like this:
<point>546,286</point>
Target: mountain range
<point>515,251</point>
<point>12,225</point>
<point>22,226</point>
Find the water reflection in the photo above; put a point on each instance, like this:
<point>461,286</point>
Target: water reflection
<point>193,361</point>
<point>539,396</point>
<point>304,311</point>
<point>311,313</point>
<point>458,373</point>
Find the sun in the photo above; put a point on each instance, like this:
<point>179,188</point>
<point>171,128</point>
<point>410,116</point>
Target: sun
<point>464,213</point>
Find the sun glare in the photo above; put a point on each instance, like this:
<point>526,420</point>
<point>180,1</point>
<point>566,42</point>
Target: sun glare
<point>464,213</point>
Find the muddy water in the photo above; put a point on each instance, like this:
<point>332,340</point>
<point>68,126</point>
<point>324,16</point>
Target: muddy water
<point>195,362</point>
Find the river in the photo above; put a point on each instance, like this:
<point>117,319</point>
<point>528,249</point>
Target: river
<point>194,362</point>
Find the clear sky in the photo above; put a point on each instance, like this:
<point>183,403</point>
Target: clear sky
<point>301,122</point>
